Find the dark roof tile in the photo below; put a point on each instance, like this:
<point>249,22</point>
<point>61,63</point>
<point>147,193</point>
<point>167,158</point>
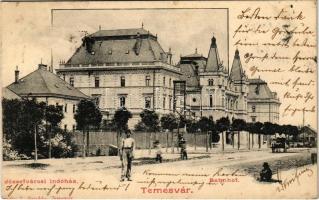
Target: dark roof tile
<point>42,82</point>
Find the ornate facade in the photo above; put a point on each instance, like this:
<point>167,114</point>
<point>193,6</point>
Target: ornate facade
<point>129,68</point>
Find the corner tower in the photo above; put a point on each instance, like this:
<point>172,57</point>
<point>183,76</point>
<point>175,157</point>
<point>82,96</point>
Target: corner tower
<point>238,84</point>
<point>213,81</point>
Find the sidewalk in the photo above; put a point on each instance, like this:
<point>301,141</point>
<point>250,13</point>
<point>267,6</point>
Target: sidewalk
<point>92,163</point>
<point>142,157</point>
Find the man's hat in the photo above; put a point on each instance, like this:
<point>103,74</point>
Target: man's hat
<point>128,131</point>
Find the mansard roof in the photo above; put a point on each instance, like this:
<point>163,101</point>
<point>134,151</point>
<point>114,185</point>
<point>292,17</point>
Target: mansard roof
<point>119,46</point>
<point>189,74</point>
<point>42,82</point>
<point>259,90</point>
<point>237,72</point>
<point>120,32</point>
<point>213,61</point>
<point>195,59</point>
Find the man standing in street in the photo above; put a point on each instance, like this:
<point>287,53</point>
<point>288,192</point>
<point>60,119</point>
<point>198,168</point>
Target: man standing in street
<point>127,155</point>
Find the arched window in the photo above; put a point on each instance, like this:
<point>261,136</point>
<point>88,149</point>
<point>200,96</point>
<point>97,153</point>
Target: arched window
<point>147,80</point>
<point>210,82</point>
<point>147,102</point>
<point>97,82</point>
<point>253,108</point>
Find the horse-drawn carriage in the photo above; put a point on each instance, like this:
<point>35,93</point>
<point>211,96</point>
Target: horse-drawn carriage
<point>279,142</point>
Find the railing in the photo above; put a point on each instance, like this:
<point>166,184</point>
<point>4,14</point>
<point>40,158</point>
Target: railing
<point>120,64</point>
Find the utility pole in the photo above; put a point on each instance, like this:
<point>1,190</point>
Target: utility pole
<point>35,144</point>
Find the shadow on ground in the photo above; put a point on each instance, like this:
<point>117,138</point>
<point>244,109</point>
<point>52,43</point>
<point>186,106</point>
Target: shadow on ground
<point>31,165</point>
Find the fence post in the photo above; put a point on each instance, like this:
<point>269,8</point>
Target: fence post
<point>172,142</point>
<point>166,140</point>
<point>238,142</point>
<point>223,147</point>
<point>248,140</point>
<point>210,140</point>
<point>195,140</point>
<point>83,138</point>
<point>149,142</point>
<point>206,141</point>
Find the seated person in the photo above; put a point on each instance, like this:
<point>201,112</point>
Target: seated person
<point>266,173</point>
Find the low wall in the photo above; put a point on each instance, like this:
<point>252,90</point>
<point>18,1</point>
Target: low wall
<point>100,141</point>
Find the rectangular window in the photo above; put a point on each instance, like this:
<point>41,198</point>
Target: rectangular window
<point>170,103</point>
<point>147,102</point>
<point>147,80</point>
<point>122,81</point>
<point>210,100</point>
<point>122,102</point>
<point>164,102</point>
<point>65,127</point>
<point>170,84</point>
<point>72,81</point>
<point>164,81</point>
<point>97,82</point>
<point>73,108</point>
<point>66,108</point>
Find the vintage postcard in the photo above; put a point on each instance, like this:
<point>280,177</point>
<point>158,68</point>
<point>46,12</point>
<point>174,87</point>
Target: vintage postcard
<point>172,99</point>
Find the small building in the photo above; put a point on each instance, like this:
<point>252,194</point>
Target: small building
<point>263,104</point>
<point>44,86</point>
<point>309,136</point>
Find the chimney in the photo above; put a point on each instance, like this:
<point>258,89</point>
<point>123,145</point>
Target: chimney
<point>16,75</point>
<point>42,66</point>
<point>169,56</point>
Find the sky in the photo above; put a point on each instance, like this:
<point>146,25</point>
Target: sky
<point>182,30</point>
<point>174,27</point>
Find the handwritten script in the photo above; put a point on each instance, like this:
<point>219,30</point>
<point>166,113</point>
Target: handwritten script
<point>279,44</point>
